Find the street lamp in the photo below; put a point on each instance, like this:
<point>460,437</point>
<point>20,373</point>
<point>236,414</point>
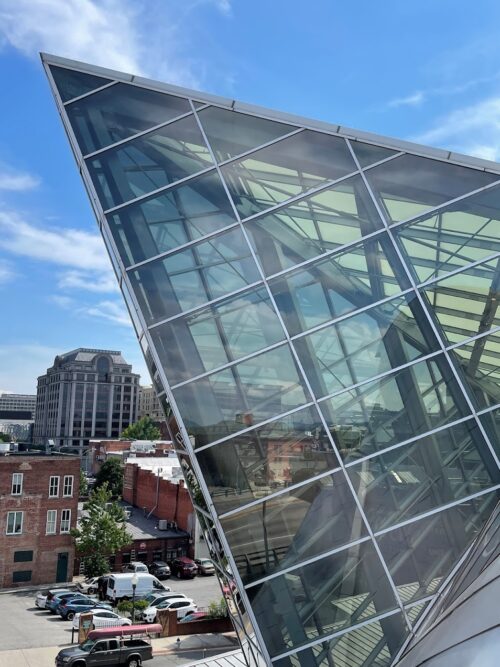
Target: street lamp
<point>134,580</point>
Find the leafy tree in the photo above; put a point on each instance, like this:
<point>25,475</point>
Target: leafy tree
<point>111,474</point>
<point>144,429</point>
<point>217,609</point>
<point>4,437</point>
<point>101,531</point>
<point>84,485</point>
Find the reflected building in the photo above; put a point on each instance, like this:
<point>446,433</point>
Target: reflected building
<point>318,311</point>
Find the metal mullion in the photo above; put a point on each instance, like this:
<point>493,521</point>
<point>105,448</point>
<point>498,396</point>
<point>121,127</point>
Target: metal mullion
<point>256,149</point>
<point>467,341</point>
<point>471,265</point>
<point>90,92</point>
<point>153,128</point>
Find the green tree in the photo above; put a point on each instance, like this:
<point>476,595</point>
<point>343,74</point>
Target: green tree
<point>144,429</point>
<point>111,474</point>
<point>101,531</point>
<point>4,437</point>
<point>84,485</point>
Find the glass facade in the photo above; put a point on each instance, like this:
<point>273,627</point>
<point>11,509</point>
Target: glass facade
<point>319,316</point>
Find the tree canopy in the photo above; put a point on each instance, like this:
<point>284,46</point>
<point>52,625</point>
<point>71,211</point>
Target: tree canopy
<point>4,437</point>
<point>144,429</point>
<point>111,475</point>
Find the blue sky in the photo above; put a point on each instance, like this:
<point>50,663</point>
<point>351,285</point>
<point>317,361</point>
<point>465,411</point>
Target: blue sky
<point>424,70</point>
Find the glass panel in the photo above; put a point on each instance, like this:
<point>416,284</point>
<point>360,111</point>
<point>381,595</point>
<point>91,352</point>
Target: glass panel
<point>286,169</point>
<point>149,162</point>
<point>478,362</point>
<point>248,393</point>
<point>231,133</point>
<point>312,226</point>
<point>372,645</point>
<point>254,464</point>
<point>491,424</point>
<point>466,303</point>
<point>324,597</point>
<point>369,153</point>
<point>191,277</point>
<point>395,408</point>
<point>409,185</point>
<point>217,335</point>
<point>340,284</point>
<point>454,237</point>
<point>364,345</point>
<point>71,83</point>
<point>415,611</point>
<point>419,477</point>
<point>178,216</point>
<point>192,483</point>
<point>300,524</point>
<point>421,554</point>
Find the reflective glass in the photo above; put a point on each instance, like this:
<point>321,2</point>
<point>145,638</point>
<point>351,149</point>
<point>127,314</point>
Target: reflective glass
<point>312,226</point>
<point>324,597</point>
<point>424,475</point>
<point>192,482</point>
<point>491,424</point>
<point>191,277</point>
<point>372,645</point>
<point>118,112</point>
<point>165,221</point>
<point>212,337</point>
<point>340,284</point>
<point>416,610</point>
<point>250,392</point>
<point>71,83</point>
<point>369,153</point>
<point>409,185</point>
<point>149,162</point>
<point>466,303</point>
<point>453,237</point>
<point>285,530</point>
<point>285,169</point>
<point>254,464</point>
<point>394,408</point>
<point>230,133</point>
<point>364,345</point>
<point>422,553</point>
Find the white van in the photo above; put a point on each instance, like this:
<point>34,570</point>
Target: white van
<point>120,586</point>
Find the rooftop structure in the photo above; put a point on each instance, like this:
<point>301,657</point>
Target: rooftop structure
<point>318,310</point>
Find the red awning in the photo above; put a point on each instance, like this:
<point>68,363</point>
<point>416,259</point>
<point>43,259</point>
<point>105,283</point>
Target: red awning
<point>126,630</point>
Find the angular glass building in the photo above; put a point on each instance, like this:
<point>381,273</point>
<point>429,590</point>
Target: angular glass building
<point>318,310</point>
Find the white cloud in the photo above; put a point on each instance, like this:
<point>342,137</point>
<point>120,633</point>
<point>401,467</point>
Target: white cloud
<point>91,282</point>
<point>113,311</point>
<point>6,272</point>
<point>16,181</point>
<point>411,100</point>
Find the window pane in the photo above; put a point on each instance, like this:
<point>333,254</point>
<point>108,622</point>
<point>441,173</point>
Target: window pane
<point>466,303</point>
<point>149,162</point>
<point>491,423</point>
<point>312,226</point>
<point>409,185</point>
<point>419,477</point>
<point>71,83</point>
<point>369,153</point>
<point>422,553</point>
<point>164,222</point>
<point>286,169</point>
<point>455,236</point>
<point>248,393</point>
<point>259,462</point>
<point>365,345</point>
<point>395,408</point>
<point>191,277</point>
<point>231,133</point>
<point>118,112</point>
<point>338,285</point>
<point>290,528</point>
<point>319,599</point>
<point>217,335</point>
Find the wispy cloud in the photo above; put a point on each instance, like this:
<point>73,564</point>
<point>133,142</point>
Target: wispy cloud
<point>112,311</point>
<point>409,101</point>
<point>6,272</point>
<point>91,282</point>
<point>15,180</point>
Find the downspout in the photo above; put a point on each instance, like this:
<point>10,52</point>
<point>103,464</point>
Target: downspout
<point>157,491</point>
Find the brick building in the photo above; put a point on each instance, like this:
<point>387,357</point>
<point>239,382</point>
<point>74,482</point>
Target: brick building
<point>101,450</point>
<point>38,508</point>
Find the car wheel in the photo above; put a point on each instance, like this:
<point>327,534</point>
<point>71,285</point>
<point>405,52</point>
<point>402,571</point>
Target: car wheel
<point>91,591</point>
<point>70,615</point>
<point>134,662</point>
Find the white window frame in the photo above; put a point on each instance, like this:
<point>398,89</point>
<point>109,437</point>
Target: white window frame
<point>65,525</point>
<point>68,484</point>
<point>56,485</point>
<point>52,523</point>
<point>17,483</point>
<point>14,532</point>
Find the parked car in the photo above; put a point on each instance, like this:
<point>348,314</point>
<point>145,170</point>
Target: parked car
<point>57,599</point>
<point>55,591</point>
<point>205,566</point>
<point>103,618</point>
<point>68,608</point>
<point>154,600</point>
<point>89,586</point>
<point>182,605</point>
<point>135,566</point>
<point>160,569</point>
<point>109,652</point>
<point>195,616</point>
<point>41,599</point>
<point>183,567</point>
<point>120,586</point>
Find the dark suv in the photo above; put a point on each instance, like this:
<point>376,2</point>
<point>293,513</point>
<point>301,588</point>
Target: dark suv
<point>160,569</point>
<point>183,567</point>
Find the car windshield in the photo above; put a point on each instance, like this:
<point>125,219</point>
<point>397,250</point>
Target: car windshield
<point>205,562</point>
<point>87,645</point>
<point>159,563</point>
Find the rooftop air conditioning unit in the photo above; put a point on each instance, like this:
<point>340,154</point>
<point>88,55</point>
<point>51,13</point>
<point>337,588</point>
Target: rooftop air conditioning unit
<point>163,524</point>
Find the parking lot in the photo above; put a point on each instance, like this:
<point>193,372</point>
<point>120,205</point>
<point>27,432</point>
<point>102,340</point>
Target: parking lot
<point>23,625</point>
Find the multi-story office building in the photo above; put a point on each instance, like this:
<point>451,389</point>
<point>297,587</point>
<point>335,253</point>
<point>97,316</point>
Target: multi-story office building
<point>318,307</point>
<point>85,394</point>
<point>149,405</point>
<point>17,406</point>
